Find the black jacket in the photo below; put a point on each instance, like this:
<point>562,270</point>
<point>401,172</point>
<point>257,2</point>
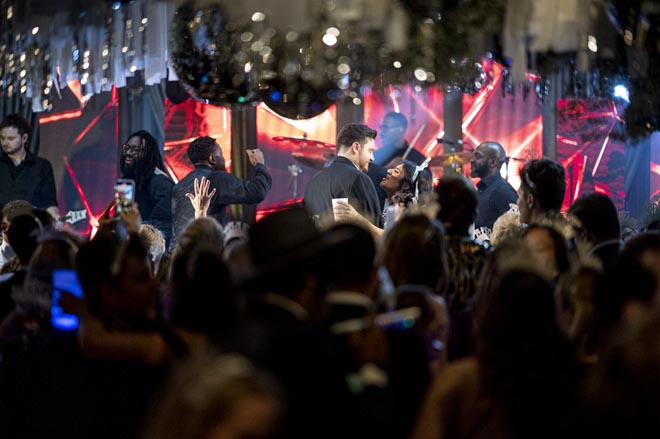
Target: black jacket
<point>32,180</point>
<point>342,179</point>
<point>229,190</point>
<point>154,204</point>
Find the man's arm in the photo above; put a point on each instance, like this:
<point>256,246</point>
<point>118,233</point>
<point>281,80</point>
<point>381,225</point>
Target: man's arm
<point>233,190</point>
<point>47,190</point>
<point>161,214</point>
<point>364,192</point>
<point>501,199</point>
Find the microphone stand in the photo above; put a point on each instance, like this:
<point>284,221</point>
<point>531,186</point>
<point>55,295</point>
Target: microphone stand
<point>295,171</point>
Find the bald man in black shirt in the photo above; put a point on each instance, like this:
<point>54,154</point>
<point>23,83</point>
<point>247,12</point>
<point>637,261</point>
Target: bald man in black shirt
<point>494,193</point>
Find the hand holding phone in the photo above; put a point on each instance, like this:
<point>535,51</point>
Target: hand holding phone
<point>124,195</point>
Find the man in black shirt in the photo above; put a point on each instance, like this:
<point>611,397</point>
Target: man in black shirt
<point>23,175</point>
<point>393,141</point>
<point>346,176</point>
<point>142,161</point>
<point>494,193</point>
<point>206,155</point>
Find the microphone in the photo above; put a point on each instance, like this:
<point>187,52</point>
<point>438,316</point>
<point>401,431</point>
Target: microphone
<point>450,141</point>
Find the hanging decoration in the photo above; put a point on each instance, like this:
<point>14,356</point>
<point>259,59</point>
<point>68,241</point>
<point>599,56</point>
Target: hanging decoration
<point>46,46</point>
<point>305,55</point>
<point>217,59</point>
<point>359,40</point>
<point>297,67</point>
<point>24,61</point>
<point>299,83</point>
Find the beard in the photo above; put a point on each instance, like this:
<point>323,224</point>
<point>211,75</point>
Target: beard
<point>128,169</point>
<point>478,171</point>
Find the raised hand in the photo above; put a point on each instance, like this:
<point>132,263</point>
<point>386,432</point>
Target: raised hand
<point>255,156</point>
<point>201,199</point>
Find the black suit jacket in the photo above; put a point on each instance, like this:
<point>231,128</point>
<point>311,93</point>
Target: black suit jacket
<point>342,179</point>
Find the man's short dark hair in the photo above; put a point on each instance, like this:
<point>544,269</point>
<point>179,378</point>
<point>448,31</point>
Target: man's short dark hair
<point>546,180</point>
<point>16,121</point>
<point>598,216</point>
<point>15,208</point>
<point>201,148</point>
<point>354,132</point>
<point>398,119</point>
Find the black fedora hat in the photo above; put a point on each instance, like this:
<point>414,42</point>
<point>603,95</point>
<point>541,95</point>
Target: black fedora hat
<point>288,240</point>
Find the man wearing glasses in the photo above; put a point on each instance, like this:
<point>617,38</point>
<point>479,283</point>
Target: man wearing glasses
<point>141,160</point>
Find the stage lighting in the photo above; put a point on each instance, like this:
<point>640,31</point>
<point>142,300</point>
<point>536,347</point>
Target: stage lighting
<point>621,92</point>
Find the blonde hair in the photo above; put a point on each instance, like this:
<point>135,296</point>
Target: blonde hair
<point>154,242</point>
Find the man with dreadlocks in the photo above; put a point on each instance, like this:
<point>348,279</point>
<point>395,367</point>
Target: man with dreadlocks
<point>142,161</point>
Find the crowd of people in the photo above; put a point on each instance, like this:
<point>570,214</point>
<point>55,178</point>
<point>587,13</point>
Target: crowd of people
<point>340,317</point>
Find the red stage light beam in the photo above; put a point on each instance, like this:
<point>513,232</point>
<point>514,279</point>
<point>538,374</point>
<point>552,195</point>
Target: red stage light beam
<point>434,143</point>
<point>602,188</point>
<point>563,139</point>
<point>73,114</point>
<point>483,96</point>
<point>578,185</point>
<point>93,221</point>
<point>428,111</point>
<point>529,138</point>
<point>84,132</point>
<point>471,138</point>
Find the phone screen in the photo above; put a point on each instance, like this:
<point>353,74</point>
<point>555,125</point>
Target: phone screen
<point>124,194</point>
<point>64,280</point>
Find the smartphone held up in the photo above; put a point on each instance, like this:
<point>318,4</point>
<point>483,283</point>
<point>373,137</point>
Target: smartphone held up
<point>124,195</point>
<point>64,281</point>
